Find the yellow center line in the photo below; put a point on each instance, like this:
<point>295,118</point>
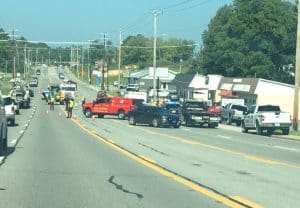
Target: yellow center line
<point>227,201</point>
<point>147,158</point>
<point>246,201</point>
<point>240,154</point>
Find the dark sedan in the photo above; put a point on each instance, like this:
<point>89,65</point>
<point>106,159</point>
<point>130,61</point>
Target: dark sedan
<point>154,116</point>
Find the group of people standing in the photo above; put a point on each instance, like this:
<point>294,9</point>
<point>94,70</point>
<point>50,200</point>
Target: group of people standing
<point>69,102</point>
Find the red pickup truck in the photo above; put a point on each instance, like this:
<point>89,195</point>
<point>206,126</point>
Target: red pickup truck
<point>111,106</point>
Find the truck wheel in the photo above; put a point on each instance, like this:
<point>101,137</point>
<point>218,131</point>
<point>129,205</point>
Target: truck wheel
<point>269,132</point>
<point>211,125</point>
<point>131,120</point>
<point>155,122</point>
<point>228,121</point>
<point>238,123</point>
<point>286,131</point>
<point>244,129</point>
<point>12,122</point>
<point>186,121</point>
<point>88,113</point>
<point>100,115</point>
<point>121,114</point>
<point>258,129</point>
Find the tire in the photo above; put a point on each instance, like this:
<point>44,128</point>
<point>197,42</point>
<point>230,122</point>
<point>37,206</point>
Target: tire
<point>244,129</point>
<point>258,129</point>
<point>100,115</point>
<point>155,123</point>
<point>88,113</point>
<point>186,122</point>
<point>131,120</point>
<point>121,114</point>
<point>238,123</point>
<point>286,131</point>
<point>269,132</point>
<point>176,126</point>
<point>211,125</point>
<point>228,121</point>
<point>2,141</point>
<point>12,122</point>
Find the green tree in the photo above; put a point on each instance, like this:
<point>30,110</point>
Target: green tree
<point>250,38</point>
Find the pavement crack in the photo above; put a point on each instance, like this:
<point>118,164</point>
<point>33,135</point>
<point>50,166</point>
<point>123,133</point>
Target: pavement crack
<point>120,187</point>
<point>107,130</point>
<point>2,189</point>
<point>151,148</point>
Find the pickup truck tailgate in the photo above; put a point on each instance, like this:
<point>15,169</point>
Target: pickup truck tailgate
<point>275,117</point>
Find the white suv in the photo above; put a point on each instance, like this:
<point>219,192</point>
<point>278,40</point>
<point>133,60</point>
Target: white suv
<point>10,110</point>
<point>3,127</point>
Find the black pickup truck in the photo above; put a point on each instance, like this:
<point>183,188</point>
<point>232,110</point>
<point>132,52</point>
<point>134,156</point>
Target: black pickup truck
<point>199,113</point>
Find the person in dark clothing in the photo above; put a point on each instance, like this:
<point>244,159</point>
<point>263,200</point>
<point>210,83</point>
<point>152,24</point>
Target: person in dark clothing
<point>70,107</point>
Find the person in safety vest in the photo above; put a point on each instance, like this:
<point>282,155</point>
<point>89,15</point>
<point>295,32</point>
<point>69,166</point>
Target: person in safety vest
<point>71,104</point>
<point>51,100</point>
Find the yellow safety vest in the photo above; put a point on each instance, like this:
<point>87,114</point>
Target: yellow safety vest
<point>71,104</point>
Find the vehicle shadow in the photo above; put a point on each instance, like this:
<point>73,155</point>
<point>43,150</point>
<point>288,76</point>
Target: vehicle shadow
<point>8,152</point>
<point>13,125</point>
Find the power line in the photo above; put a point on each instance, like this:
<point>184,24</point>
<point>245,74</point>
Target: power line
<point>177,4</point>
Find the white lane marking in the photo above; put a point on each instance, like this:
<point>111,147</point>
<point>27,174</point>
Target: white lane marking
<point>287,148</point>
<point>29,120</point>
<point>1,159</point>
<point>14,141</point>
<point>21,132</point>
<point>26,125</point>
<point>224,137</point>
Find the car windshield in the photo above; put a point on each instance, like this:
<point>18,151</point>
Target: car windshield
<point>68,88</point>
<point>7,101</point>
<point>196,105</point>
<point>239,107</point>
<point>268,108</point>
<point>168,106</point>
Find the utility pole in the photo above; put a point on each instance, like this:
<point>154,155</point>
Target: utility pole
<point>297,75</point>
<point>89,70</point>
<point>36,56</point>
<point>155,13</point>
<point>25,61</point>
<point>49,53</point>
<point>119,64</point>
<point>14,58</point>
<point>77,62</point>
<point>82,59</point>
<point>104,64</point>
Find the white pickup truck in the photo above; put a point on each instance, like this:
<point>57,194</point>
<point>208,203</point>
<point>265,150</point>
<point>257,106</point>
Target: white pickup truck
<point>266,117</point>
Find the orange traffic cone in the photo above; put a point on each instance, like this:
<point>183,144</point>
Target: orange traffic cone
<point>93,118</point>
<point>47,112</point>
<point>75,117</point>
<point>59,114</point>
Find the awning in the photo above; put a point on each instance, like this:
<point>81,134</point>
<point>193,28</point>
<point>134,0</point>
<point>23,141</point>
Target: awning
<point>227,93</point>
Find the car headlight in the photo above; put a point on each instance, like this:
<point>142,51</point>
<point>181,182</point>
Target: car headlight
<point>164,118</point>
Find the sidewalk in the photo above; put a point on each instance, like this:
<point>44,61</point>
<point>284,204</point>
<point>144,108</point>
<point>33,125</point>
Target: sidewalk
<point>239,129</point>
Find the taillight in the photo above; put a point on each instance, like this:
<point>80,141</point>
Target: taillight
<point>262,117</point>
<point>133,107</point>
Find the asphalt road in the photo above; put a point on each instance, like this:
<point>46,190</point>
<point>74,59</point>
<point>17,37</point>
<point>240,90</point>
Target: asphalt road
<point>84,162</point>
